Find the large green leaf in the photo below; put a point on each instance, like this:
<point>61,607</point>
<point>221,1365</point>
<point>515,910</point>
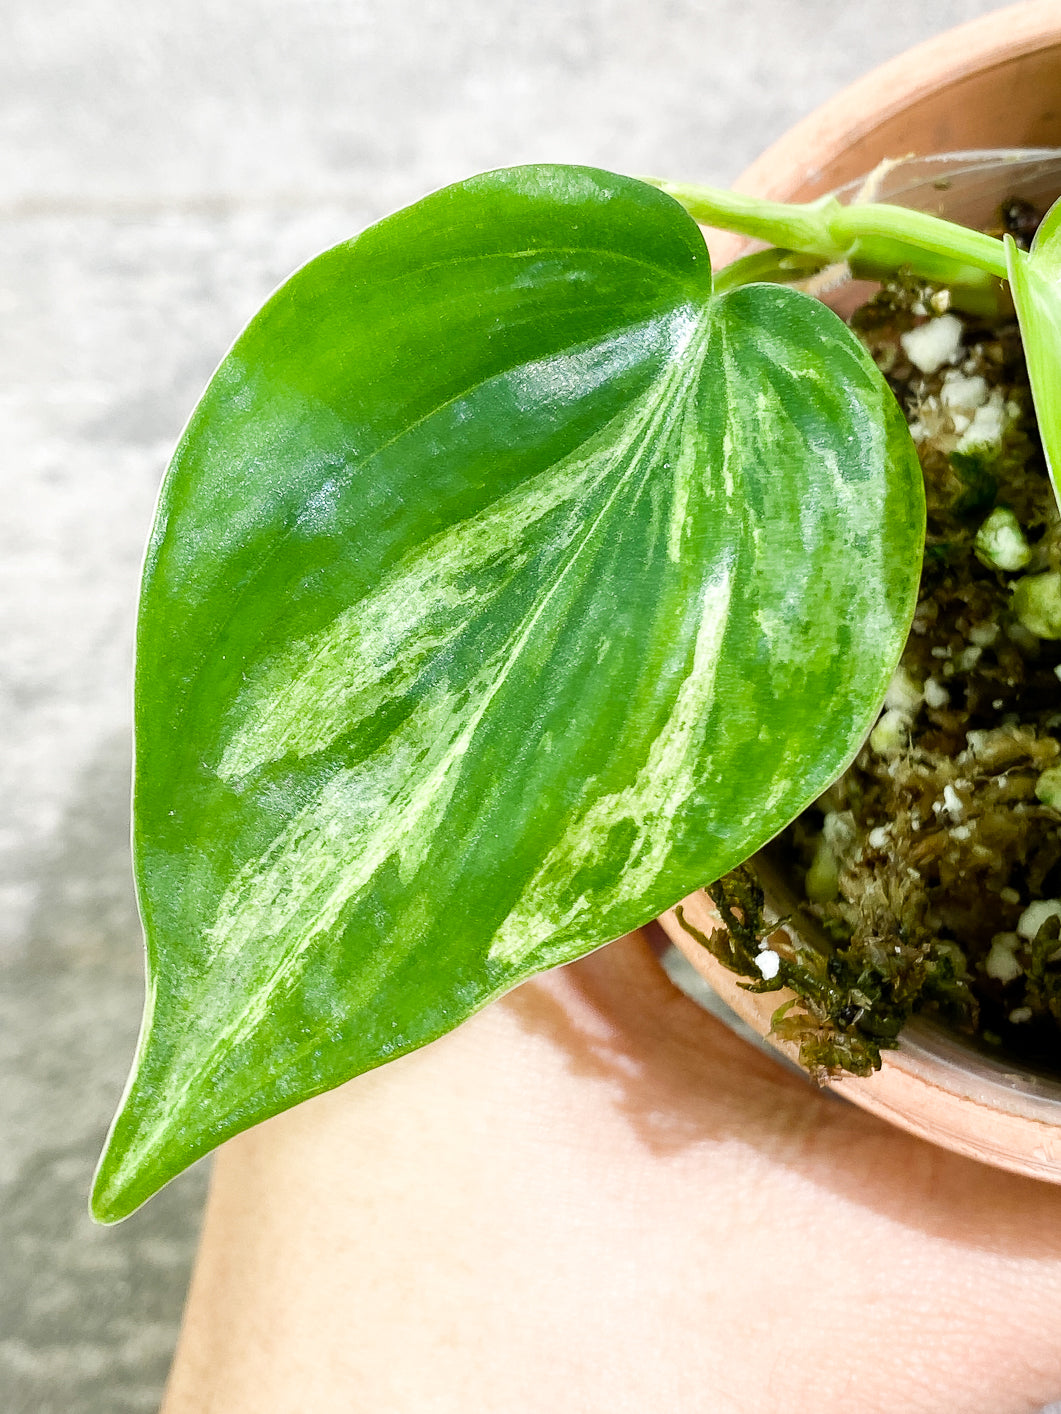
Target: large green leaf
<point>506,585</point>
<point>1035,280</point>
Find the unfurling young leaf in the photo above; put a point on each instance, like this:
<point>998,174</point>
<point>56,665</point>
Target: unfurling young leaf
<point>1035,280</point>
<point>506,586</point>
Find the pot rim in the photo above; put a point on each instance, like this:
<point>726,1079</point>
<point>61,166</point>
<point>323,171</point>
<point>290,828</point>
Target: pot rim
<point>853,117</point>
<point>866,122</point>
<point>933,1085</point>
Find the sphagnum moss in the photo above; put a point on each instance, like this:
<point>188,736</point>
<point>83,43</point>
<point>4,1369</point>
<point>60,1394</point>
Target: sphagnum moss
<point>927,878</point>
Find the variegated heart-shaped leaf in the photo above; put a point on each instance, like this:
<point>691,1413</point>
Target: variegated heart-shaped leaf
<point>507,584</point>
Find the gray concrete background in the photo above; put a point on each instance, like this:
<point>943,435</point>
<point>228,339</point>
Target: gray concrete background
<point>161,167</point>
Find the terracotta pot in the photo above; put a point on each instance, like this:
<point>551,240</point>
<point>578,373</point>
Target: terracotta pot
<point>995,83</point>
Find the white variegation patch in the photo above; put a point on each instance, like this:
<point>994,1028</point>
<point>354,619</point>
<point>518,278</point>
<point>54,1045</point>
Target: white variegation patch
<point>673,773</point>
<point>321,688</point>
<point>389,808</point>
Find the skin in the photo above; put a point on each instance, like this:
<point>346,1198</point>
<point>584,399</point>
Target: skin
<point>592,1197</point>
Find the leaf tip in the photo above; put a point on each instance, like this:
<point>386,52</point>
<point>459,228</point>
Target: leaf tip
<point>122,1181</point>
<point>143,1150</point>
<point>110,1199</point>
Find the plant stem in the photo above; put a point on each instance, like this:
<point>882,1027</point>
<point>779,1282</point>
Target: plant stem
<point>873,238</point>
<point>774,266</point>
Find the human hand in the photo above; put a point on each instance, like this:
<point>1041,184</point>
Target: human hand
<point>593,1197</point>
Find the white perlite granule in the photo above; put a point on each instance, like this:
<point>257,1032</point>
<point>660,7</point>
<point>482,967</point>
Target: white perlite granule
<point>768,963</point>
<point>1000,542</point>
<point>958,391</point>
<point>988,424</point>
<point>903,693</point>
<point>891,733</point>
<point>932,345</point>
<point>1036,914</point>
<point>1002,962</point>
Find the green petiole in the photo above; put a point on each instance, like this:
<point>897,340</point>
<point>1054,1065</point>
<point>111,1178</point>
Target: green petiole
<point>872,238</point>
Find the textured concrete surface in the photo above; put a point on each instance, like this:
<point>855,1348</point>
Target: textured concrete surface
<point>161,168</point>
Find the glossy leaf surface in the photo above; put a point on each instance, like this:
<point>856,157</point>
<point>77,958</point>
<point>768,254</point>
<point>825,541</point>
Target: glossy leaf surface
<point>1035,280</point>
<point>506,585</point>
